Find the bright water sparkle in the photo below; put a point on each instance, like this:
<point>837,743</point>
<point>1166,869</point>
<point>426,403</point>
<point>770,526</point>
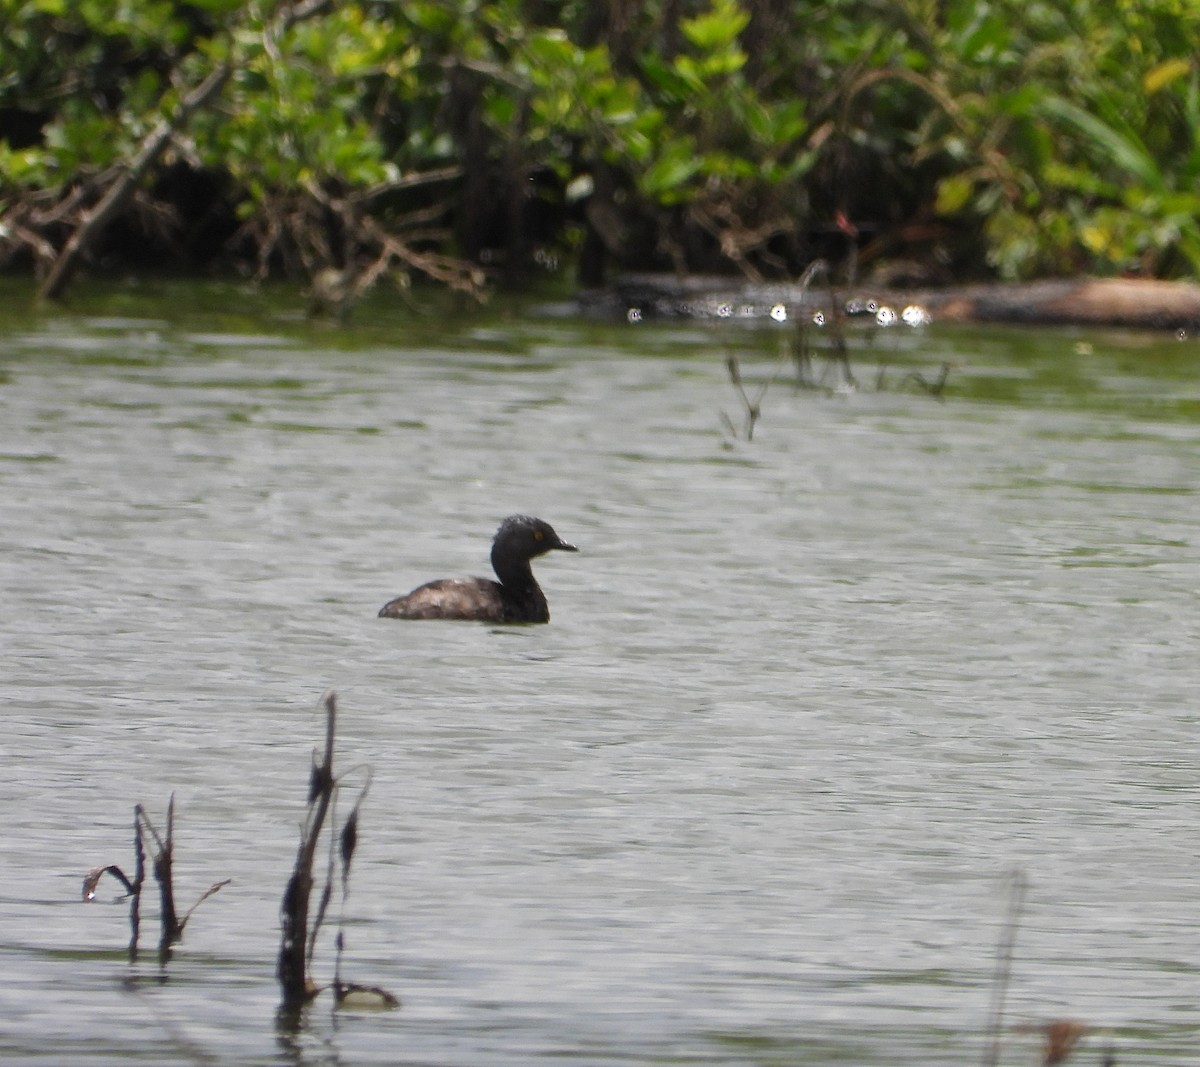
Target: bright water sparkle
<point>750,798</point>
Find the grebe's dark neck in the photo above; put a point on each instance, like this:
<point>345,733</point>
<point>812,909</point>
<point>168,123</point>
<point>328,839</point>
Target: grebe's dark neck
<point>523,597</point>
<point>513,570</point>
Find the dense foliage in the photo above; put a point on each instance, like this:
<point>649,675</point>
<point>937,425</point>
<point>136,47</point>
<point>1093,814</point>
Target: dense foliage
<point>354,140</point>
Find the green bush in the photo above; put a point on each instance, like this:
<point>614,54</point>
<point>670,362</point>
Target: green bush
<point>1037,137</point>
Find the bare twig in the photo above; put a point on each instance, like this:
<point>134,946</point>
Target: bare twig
<point>292,968</point>
<point>1018,883</point>
<point>407,181</point>
<point>92,879</point>
<point>299,940</point>
<point>935,388</point>
<point>172,931</point>
<point>298,228</point>
<point>753,407</point>
<point>115,200</point>
<point>172,925</point>
<point>139,879</point>
<point>214,888</point>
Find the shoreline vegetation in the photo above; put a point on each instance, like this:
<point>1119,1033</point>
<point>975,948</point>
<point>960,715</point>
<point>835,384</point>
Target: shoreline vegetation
<point>974,154</point>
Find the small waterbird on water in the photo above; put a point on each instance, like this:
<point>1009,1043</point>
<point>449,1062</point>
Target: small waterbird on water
<point>516,597</point>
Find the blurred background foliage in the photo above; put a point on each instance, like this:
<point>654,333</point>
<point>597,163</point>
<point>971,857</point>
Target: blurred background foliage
<point>913,140</point>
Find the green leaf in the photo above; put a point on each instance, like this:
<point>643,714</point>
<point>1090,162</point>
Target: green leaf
<point>501,109</point>
<point>690,73</point>
<point>664,77</point>
<point>1122,150</point>
<point>666,178</point>
<point>719,29</point>
<point>953,194</point>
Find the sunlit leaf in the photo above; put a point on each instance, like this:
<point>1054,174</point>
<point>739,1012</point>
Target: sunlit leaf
<point>953,194</point>
<point>1158,78</point>
<point>718,29</point>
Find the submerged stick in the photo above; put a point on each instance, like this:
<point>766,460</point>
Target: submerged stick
<point>935,388</point>
<point>1018,883</point>
<point>753,407</point>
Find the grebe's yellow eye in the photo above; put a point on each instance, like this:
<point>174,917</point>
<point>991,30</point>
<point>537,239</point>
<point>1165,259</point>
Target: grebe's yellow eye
<point>538,535</point>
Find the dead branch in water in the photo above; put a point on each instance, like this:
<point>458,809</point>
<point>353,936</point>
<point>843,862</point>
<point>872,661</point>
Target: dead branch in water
<point>299,937</point>
<point>1059,1037</point>
<point>171,925</point>
<point>370,249</point>
<point>292,968</point>
<point>92,879</point>
<point>753,407</point>
<point>164,858</point>
<point>935,388</point>
<point>1018,883</point>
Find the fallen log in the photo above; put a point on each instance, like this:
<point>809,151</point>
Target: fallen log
<point>1138,303</point>
<point>1142,303</point>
